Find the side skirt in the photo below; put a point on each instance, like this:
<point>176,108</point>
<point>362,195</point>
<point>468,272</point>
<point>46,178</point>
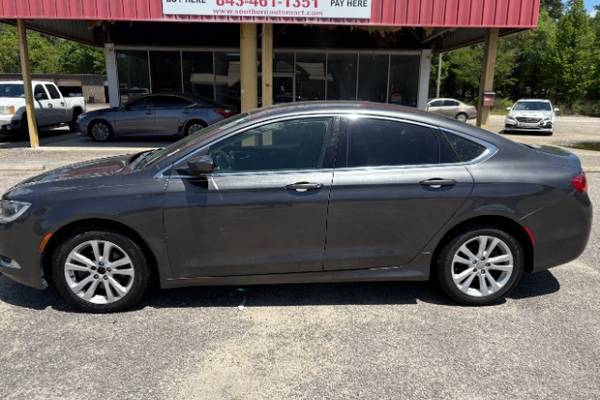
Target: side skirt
<point>404,273</point>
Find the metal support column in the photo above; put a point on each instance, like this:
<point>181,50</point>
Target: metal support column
<point>267,65</point>
<point>29,101</point>
<point>487,74</point>
<point>248,70</point>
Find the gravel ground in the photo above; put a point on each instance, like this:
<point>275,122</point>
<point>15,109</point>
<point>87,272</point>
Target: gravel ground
<point>389,340</point>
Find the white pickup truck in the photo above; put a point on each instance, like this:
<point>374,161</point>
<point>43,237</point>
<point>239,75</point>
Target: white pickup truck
<point>51,108</point>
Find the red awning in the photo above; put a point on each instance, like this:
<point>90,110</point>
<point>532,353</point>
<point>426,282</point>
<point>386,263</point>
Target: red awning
<point>414,13</point>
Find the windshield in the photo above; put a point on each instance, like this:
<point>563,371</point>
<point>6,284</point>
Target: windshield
<point>11,90</point>
<point>533,106</point>
<point>190,141</point>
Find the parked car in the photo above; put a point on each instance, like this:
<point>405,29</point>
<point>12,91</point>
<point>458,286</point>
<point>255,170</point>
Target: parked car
<point>51,107</point>
<point>531,115</point>
<point>153,115</point>
<point>452,108</point>
<point>254,199</point>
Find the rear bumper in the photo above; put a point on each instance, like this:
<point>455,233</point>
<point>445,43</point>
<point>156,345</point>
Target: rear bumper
<point>561,231</point>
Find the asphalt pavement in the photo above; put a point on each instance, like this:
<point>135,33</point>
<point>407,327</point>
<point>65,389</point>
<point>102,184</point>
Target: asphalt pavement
<point>326,341</point>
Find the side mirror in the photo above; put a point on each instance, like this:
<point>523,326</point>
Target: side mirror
<point>39,96</point>
<point>200,166</point>
<point>557,110</point>
<point>508,108</point>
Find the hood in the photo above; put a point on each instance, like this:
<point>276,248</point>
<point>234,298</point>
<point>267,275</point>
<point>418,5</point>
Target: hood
<point>101,168</point>
<point>99,112</point>
<point>12,101</point>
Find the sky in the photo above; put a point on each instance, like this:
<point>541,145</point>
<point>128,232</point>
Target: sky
<point>590,4</point>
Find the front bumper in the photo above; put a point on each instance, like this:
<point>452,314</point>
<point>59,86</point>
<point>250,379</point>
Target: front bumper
<point>20,259</point>
<point>8,125</point>
<point>515,126</point>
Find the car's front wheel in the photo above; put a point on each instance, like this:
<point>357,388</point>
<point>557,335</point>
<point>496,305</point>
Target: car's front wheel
<point>100,271</point>
<point>101,131</point>
<point>480,266</point>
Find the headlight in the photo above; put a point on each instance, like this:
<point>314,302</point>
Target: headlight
<point>11,210</point>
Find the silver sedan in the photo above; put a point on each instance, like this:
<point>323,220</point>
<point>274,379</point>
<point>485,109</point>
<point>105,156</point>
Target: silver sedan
<point>153,115</point>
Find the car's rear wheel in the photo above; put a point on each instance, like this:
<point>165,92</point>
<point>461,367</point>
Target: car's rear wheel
<point>193,127</point>
<point>462,117</point>
<point>100,271</point>
<point>480,266</point>
<point>100,131</point>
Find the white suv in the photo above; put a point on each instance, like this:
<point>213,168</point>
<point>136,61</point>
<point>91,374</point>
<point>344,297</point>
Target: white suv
<point>531,115</point>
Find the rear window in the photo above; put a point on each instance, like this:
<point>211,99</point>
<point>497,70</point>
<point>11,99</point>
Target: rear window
<point>465,149</point>
<point>11,90</point>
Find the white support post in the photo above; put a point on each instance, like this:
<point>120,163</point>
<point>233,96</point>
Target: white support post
<point>424,72</point>
<point>112,77</point>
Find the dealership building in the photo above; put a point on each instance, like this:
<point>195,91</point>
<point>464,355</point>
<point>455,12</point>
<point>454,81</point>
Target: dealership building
<point>255,53</point>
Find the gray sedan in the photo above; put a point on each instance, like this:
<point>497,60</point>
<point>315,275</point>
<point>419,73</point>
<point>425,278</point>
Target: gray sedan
<point>153,115</point>
<point>308,192</point>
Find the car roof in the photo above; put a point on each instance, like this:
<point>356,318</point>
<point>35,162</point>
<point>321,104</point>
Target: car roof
<point>538,100</point>
<point>15,82</point>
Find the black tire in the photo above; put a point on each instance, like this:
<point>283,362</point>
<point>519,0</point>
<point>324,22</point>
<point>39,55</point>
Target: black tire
<point>73,124</point>
<point>138,263</point>
<point>24,133</point>
<point>103,126</point>
<point>462,117</point>
<point>446,255</point>
<point>188,127</point>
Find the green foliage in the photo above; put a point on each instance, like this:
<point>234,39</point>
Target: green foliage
<point>559,60</point>
<point>48,54</point>
<point>574,59</point>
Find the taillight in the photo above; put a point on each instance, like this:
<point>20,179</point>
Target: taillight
<point>225,112</point>
<point>579,183</point>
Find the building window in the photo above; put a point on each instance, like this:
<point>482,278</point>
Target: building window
<point>134,78</point>
<point>341,76</point>
<point>227,78</point>
<point>165,67</point>
<point>404,80</point>
<point>373,77</point>
<point>310,76</point>
<point>283,78</point>
<point>198,74</point>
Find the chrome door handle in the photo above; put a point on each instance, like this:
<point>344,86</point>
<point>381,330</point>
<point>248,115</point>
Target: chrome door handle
<point>438,183</point>
<point>302,187</point>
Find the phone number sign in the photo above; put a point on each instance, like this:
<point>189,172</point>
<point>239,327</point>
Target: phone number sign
<point>354,9</point>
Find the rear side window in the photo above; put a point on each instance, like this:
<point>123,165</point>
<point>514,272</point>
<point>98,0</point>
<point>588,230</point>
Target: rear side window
<point>465,149</point>
<point>54,93</point>
<point>375,142</point>
<point>450,103</point>
<point>168,102</point>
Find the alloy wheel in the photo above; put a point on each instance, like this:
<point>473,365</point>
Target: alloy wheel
<point>100,131</point>
<point>99,271</point>
<point>482,266</point>
<point>195,127</point>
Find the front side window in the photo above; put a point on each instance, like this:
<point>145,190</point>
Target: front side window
<point>54,93</point>
<point>375,142</point>
<point>39,93</point>
<point>292,144</point>
<point>168,102</point>
<point>139,104</point>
